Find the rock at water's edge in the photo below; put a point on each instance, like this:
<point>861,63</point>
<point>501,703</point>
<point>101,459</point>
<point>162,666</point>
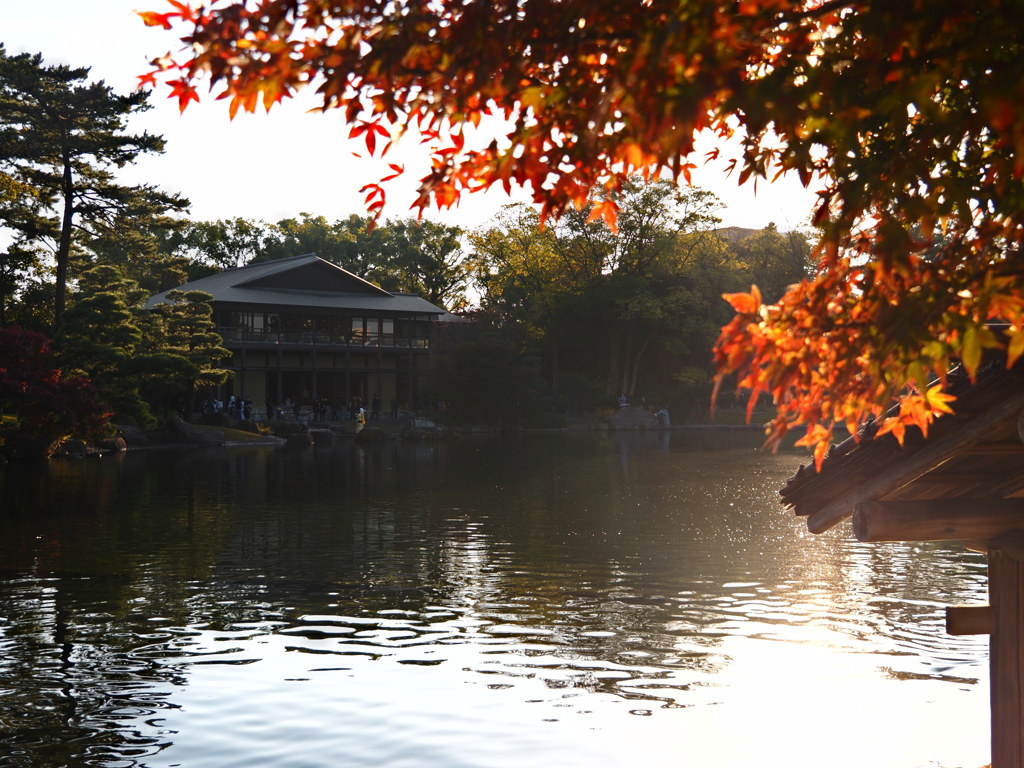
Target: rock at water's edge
<point>112,444</point>
<point>633,417</point>
<point>133,436</point>
<point>181,432</point>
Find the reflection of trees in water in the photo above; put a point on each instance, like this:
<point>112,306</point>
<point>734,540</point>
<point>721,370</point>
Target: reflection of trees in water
<point>72,674</point>
<point>92,554</point>
<point>618,565</point>
<point>605,561</point>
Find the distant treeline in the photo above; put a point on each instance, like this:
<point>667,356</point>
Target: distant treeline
<point>568,314</point>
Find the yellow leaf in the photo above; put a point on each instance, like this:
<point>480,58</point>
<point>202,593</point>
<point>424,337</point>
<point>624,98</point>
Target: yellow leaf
<point>970,351</point>
<point>532,98</point>
<point>938,400</point>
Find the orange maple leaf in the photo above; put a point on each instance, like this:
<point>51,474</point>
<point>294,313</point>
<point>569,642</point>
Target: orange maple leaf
<point>152,19</point>
<point>745,303</point>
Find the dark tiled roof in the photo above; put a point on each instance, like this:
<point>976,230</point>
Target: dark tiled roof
<point>302,282</point>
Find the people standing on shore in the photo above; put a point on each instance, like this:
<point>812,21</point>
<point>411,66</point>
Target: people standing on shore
<point>663,419</point>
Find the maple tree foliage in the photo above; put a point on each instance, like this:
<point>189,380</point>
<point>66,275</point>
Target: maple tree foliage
<point>907,115</point>
<point>45,402</point>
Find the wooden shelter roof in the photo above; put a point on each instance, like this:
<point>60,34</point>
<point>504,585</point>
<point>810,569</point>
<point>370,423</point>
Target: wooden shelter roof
<point>964,481</point>
<point>975,454</point>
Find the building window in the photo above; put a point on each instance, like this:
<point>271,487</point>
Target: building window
<point>274,324</point>
<point>420,334</point>
<point>331,329</point>
<point>372,332</point>
<point>296,328</point>
<point>243,326</point>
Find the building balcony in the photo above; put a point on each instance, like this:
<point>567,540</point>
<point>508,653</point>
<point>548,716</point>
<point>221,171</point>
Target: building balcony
<point>235,337</point>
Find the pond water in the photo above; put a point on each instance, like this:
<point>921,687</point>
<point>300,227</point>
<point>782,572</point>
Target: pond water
<point>543,600</point>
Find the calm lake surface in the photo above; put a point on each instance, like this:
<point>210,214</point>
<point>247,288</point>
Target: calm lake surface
<point>542,600</point>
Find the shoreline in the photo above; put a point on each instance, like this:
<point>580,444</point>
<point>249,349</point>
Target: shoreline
<point>344,430</point>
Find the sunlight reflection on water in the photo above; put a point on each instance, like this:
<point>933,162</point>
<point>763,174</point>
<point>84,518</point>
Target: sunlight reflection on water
<point>579,601</point>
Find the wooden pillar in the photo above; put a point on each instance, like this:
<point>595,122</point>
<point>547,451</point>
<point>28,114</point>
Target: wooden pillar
<point>241,387</point>
<point>1006,660</point>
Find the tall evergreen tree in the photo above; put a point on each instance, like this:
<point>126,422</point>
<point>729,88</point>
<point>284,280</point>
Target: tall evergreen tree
<point>146,252</point>
<point>99,338</point>
<point>17,263</point>
<point>63,138</point>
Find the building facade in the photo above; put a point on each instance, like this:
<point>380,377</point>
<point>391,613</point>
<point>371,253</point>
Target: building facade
<point>303,330</point>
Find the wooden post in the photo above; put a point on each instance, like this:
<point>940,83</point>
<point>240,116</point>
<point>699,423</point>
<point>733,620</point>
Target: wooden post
<point>1006,663</point>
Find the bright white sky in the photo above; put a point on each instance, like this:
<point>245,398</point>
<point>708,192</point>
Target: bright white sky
<point>279,165</point>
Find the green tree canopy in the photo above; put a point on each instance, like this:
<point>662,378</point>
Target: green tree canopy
<point>222,244</point>
<point>100,335</point>
<point>351,243</point>
<point>775,260</point>
<point>631,307</point>
<point>427,259</point>
<point>184,338</point>
<point>409,256</point>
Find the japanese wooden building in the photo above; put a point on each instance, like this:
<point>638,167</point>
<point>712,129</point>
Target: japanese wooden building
<point>304,329</point>
<point>964,481</point>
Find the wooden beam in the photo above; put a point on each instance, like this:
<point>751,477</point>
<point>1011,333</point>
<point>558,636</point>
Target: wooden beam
<point>904,471</point>
<point>957,478</point>
<point>1006,660</point>
<point>937,519</point>
<point>970,620</point>
<point>1010,544</point>
<point>1002,448</point>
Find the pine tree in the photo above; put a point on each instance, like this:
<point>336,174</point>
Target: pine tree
<point>63,139</point>
<point>186,331</point>
<point>99,337</point>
